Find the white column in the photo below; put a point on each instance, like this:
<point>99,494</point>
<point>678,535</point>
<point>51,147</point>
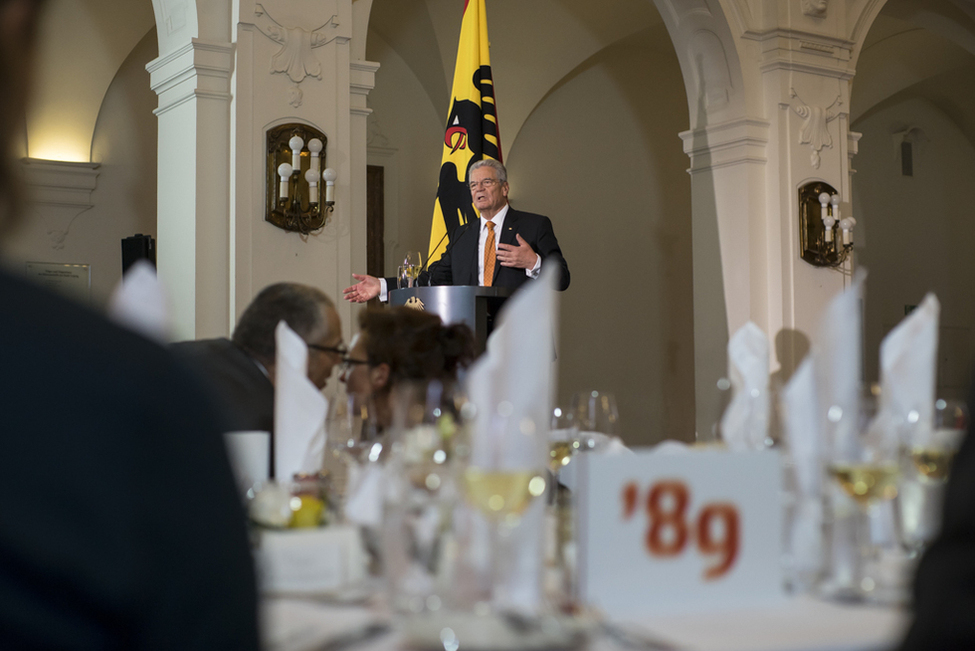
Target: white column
<point>729,244</point>
<point>193,217</point>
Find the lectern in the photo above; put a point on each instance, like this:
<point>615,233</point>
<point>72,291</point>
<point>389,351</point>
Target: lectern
<point>470,304</point>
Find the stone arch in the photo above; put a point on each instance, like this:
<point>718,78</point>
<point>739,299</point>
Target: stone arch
<point>709,60</point>
<point>179,21</point>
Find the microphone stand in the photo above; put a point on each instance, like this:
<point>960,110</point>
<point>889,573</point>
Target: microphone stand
<point>424,269</point>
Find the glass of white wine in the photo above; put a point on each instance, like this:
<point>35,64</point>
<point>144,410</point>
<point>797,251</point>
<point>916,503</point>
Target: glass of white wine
<point>563,438</point>
<point>927,455</point>
<point>864,465</point>
<point>505,474</point>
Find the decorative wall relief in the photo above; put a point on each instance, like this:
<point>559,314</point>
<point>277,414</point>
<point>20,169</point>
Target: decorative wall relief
<point>815,126</point>
<point>814,8</point>
<point>295,58</point>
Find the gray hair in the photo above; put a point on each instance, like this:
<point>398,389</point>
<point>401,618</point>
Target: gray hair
<point>303,308</point>
<point>494,165</point>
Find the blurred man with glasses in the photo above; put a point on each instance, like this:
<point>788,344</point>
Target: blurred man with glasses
<point>240,370</point>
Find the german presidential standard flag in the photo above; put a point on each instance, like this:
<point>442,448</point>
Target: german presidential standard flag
<point>472,128</point>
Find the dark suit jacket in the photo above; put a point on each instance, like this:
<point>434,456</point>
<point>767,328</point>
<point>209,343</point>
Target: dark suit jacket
<point>121,524</point>
<point>459,263</point>
<point>241,388</point>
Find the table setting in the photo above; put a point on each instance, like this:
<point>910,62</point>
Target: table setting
<point>487,517</point>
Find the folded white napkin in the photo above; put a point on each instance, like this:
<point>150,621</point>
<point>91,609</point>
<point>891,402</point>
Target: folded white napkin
<point>364,504</point>
<point>299,409</point>
<point>908,367</point>
<point>744,425</point>
<point>836,366</point>
<point>139,303</point>
<point>513,385</point>
<point>804,530</point>
<point>836,354</point>
<point>248,452</point>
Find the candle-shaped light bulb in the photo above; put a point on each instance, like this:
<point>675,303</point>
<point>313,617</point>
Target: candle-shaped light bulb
<point>823,203</point>
<point>846,225</point>
<point>329,175</point>
<point>835,200</point>
<point>284,171</point>
<point>828,223</point>
<point>296,143</point>
<point>315,147</point>
<point>312,177</point>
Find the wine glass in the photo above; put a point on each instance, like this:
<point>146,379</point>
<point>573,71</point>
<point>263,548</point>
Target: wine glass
<point>350,432</point>
<point>563,440</point>
<point>427,438</point>
<point>504,475</point>
<point>412,263</point>
<point>564,444</point>
<point>928,452</point>
<point>863,464</point>
<point>597,418</point>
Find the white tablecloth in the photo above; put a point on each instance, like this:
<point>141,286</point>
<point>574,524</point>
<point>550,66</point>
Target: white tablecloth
<point>800,624</point>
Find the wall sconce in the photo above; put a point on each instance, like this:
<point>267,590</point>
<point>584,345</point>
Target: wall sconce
<point>825,239</point>
<point>295,198</point>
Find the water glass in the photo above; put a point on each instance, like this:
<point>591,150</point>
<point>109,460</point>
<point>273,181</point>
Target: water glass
<point>927,455</point>
<point>426,447</point>
<point>863,470</point>
<point>597,418</point>
<point>351,432</point>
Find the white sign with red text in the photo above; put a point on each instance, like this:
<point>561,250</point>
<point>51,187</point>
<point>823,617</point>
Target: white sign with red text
<point>679,532</point>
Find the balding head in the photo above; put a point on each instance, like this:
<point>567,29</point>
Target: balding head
<point>306,310</point>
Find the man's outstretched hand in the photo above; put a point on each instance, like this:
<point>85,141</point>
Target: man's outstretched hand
<point>367,288</point>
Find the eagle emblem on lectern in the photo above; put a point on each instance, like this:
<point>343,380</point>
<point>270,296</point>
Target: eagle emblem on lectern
<point>414,303</point>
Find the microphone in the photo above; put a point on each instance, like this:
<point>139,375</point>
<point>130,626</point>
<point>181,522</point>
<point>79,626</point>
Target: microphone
<point>424,270</point>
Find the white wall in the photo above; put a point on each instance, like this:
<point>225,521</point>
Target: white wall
<point>124,198</point>
<point>601,156</point>
<point>623,222</point>
<point>917,234</point>
<point>405,132</point>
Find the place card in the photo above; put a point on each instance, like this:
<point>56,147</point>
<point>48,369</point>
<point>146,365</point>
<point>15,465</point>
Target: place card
<point>679,532</point>
<point>309,561</point>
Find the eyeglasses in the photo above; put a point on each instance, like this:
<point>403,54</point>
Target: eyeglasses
<point>348,363</point>
<point>486,183</point>
<point>342,350</point>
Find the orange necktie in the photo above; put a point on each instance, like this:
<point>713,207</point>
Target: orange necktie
<point>490,256</point>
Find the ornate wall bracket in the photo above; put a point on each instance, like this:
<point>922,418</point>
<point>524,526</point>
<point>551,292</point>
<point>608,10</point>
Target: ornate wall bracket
<point>824,239</point>
<point>295,58</point>
<point>297,203</point>
<point>815,125</point>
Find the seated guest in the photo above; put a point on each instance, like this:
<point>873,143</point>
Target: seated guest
<point>240,370</point>
<point>944,588</point>
<point>400,344</point>
<point>121,527</point>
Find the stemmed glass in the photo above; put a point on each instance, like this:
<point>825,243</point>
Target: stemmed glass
<point>597,418</point>
<point>563,440</point>
<point>864,465</point>
<point>350,431</point>
<point>928,452</point>
<point>504,475</point>
<point>409,271</point>
<point>426,438</point>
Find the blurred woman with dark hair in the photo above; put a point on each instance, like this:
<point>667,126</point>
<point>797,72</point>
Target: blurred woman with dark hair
<point>402,344</point>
